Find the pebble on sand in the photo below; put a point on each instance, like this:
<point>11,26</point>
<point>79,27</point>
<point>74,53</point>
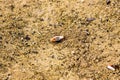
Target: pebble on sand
<point>108,2</point>
<point>90,19</point>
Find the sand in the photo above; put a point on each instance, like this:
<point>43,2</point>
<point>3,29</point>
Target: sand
<point>92,39</point>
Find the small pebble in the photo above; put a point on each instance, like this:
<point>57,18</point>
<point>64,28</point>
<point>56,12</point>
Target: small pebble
<point>27,37</point>
<point>90,19</point>
<point>0,37</point>
<point>108,2</point>
<point>41,19</point>
<point>72,52</point>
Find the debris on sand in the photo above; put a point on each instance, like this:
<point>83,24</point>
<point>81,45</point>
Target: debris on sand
<point>90,19</point>
<point>111,67</point>
<point>57,39</point>
<point>27,37</point>
<point>108,2</point>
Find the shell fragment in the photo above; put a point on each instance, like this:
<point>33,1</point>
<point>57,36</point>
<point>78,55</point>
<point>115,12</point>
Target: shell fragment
<point>57,38</point>
<point>111,68</point>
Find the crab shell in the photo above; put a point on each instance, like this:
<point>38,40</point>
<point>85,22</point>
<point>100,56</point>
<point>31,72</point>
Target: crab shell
<point>57,38</point>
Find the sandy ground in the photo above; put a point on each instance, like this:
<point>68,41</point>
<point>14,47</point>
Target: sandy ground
<point>92,39</point>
